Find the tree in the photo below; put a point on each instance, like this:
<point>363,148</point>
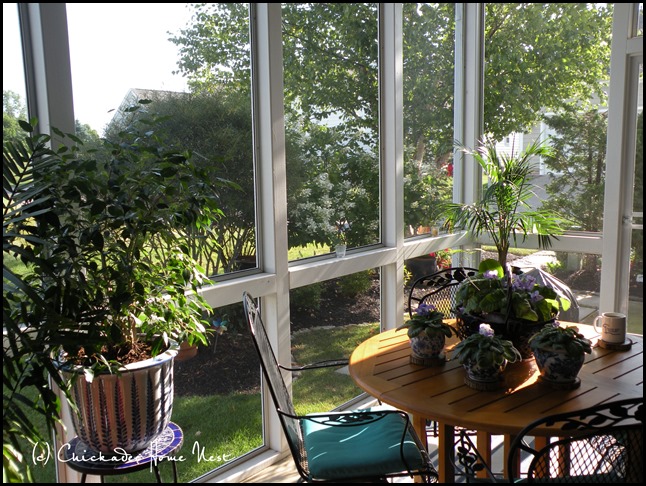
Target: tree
<point>577,170</point>
<point>13,109</point>
<point>637,256</point>
<point>577,177</point>
<point>538,57</point>
<point>567,56</point>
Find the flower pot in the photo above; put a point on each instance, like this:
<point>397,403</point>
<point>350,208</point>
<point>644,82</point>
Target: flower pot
<point>124,412</point>
<point>483,378</point>
<point>186,351</point>
<point>558,368</point>
<point>421,266</point>
<point>518,331</point>
<point>425,347</point>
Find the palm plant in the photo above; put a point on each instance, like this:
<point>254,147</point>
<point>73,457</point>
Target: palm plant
<point>504,211</point>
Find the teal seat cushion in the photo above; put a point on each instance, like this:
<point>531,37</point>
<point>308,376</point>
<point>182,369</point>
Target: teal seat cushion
<point>358,450</point>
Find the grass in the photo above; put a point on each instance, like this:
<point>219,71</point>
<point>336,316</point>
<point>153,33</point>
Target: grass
<point>522,252</point>
<point>299,252</point>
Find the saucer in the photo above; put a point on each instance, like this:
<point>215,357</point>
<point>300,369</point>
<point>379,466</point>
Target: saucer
<point>616,346</point>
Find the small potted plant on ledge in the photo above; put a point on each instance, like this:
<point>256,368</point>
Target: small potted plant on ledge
<point>560,352</point>
<point>340,238</point>
<point>427,332</point>
<point>484,357</point>
<point>515,306</point>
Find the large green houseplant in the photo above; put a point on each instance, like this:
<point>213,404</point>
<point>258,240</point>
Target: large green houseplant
<point>503,211</point>
<point>96,274</point>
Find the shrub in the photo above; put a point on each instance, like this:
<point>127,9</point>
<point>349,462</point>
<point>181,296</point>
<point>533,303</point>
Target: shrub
<point>306,298</point>
<point>355,284</point>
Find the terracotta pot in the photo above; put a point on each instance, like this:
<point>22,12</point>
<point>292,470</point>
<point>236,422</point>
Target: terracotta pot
<point>186,351</point>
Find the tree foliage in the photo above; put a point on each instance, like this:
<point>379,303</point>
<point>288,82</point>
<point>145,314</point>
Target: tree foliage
<point>537,57</point>
<point>13,109</point>
<point>577,170</point>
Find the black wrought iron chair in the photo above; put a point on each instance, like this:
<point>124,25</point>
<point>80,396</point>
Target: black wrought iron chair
<point>439,289</point>
<point>372,444</point>
<point>601,444</point>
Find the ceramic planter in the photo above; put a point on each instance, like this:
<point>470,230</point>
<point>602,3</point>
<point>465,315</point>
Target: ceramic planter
<point>421,266</point>
<point>483,378</point>
<point>428,347</point>
<point>557,367</point>
<point>125,411</point>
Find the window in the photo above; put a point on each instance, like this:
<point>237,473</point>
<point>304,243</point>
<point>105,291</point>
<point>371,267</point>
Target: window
<point>331,126</point>
<point>342,134</point>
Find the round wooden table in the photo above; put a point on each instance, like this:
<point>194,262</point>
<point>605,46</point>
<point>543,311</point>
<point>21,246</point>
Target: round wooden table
<point>381,366</point>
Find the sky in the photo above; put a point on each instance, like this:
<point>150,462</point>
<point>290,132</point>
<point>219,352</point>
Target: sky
<point>113,47</point>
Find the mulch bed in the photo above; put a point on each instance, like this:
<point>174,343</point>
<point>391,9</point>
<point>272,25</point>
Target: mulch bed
<point>234,365</point>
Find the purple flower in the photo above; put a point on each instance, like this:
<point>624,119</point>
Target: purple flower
<point>490,274</point>
<point>535,296</point>
<point>425,309</point>
<point>486,330</point>
<point>523,283</point>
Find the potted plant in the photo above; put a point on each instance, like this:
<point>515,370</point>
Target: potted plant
<point>340,237</point>
<point>560,352</point>
<point>427,332</point>
<point>515,305</point>
<point>421,266</point>
<point>484,357</point>
<point>99,281</point>
<point>503,211</point>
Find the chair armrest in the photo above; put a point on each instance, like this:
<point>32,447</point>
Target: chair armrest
<point>319,364</point>
<point>353,417</point>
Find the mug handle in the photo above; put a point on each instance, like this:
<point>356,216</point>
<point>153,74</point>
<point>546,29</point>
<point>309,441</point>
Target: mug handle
<point>594,323</point>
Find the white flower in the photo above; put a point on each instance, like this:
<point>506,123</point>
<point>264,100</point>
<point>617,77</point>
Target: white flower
<point>486,330</point>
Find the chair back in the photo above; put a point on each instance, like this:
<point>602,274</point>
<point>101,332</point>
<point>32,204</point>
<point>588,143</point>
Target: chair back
<point>439,289</point>
<point>275,382</point>
<point>601,444</point>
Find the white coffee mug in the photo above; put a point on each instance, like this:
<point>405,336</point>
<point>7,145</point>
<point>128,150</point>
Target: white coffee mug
<point>613,327</point>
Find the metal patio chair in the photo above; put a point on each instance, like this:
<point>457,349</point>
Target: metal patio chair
<point>601,444</point>
<point>373,444</point>
<point>439,289</point>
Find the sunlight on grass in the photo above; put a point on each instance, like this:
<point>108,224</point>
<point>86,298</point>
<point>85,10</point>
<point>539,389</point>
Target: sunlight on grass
<point>325,389</point>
